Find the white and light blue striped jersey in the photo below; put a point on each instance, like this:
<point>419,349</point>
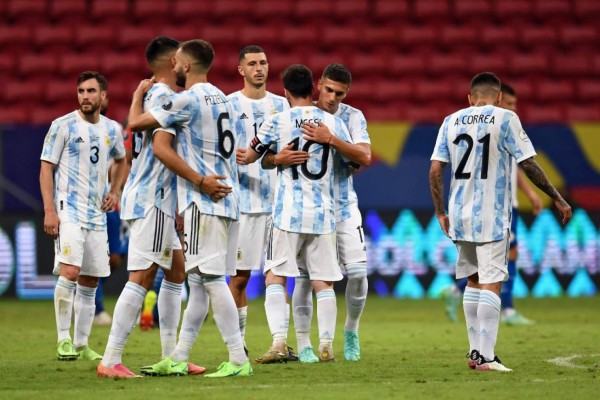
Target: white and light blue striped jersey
<point>150,183</point>
<point>203,119</point>
<point>480,143</point>
<point>514,182</point>
<point>81,151</point>
<point>304,197</point>
<point>344,189</point>
<point>256,183</point>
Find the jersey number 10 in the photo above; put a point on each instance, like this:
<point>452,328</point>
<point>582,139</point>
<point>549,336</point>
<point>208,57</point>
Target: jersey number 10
<point>303,167</point>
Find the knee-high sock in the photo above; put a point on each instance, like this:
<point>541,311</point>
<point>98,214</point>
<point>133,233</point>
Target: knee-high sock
<point>242,317</point>
<point>470,305</point>
<point>506,293</point>
<point>302,306</point>
<point>84,305</point>
<point>125,315</point>
<point>169,310</point>
<point>193,318</point>
<point>488,314</point>
<point>225,313</point>
<point>275,307</point>
<point>326,315</point>
<point>64,294</point>
<point>356,295</point>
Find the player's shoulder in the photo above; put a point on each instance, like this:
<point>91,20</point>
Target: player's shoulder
<point>111,123</point>
<point>346,109</point>
<point>237,95</point>
<point>66,119</point>
<point>276,97</point>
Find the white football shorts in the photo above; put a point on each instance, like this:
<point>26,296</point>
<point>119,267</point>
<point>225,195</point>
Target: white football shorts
<point>83,248</point>
<point>489,260</point>
<point>252,241</point>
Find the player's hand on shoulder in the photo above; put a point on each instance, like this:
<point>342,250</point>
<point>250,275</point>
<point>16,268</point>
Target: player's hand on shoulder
<point>317,133</point>
<point>212,186</point>
<point>51,224</point>
<point>289,156</point>
<point>144,86</point>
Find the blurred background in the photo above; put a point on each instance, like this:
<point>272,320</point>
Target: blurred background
<point>411,63</point>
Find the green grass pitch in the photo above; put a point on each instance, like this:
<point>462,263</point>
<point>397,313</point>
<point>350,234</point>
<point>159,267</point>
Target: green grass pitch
<point>409,350</point>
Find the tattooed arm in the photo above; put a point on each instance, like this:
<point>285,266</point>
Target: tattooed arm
<point>536,174</point>
<point>436,184</point>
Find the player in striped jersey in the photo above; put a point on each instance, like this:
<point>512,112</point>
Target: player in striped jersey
<point>333,88</point>
<point>304,213</point>
<point>480,142</point>
<point>73,178</point>
<point>251,106</point>
<point>148,204</point>
<point>207,187</point>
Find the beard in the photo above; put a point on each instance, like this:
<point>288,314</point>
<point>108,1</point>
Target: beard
<point>180,81</point>
<point>90,109</point>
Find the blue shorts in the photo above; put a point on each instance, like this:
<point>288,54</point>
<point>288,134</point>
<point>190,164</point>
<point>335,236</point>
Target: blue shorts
<point>513,227</point>
<point>118,235</point>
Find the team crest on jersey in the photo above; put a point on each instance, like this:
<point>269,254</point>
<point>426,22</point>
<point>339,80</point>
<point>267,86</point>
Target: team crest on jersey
<point>167,253</point>
<point>167,106</point>
<point>523,136</point>
<point>274,111</point>
<point>107,140</point>
<point>66,251</point>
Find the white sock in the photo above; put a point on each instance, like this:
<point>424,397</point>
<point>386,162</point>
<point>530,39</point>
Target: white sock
<point>169,311</point>
<point>193,318</point>
<point>275,307</point>
<point>127,309</point>
<point>242,316</point>
<point>225,313</point>
<point>326,316</point>
<point>470,305</point>
<point>488,314</point>
<point>356,295</point>
<point>303,310</point>
<point>64,293</point>
<point>85,309</point>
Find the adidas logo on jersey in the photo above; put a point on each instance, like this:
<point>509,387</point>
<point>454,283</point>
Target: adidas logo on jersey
<point>243,116</point>
<point>79,140</point>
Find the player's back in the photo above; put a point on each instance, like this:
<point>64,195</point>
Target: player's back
<point>256,183</point>
<point>479,143</point>
<point>304,198</point>
<point>149,183</point>
<point>207,144</point>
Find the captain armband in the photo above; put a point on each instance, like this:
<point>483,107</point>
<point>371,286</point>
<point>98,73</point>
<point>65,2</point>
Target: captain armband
<point>257,146</point>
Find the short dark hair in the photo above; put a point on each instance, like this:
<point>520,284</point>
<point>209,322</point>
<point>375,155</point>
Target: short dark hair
<point>160,46</point>
<point>507,89</point>
<point>201,51</point>
<point>87,75</point>
<point>338,73</point>
<point>251,49</point>
<point>298,80</point>
<point>485,83</point>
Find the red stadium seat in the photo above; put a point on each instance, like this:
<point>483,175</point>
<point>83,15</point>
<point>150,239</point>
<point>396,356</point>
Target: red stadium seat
<point>528,63</point>
<point>149,11</point>
<point>445,64</point>
<point>431,90</point>
<point>15,91</point>
<point>537,113</point>
<point>95,38</point>
<point>579,36</point>
<point>457,37</point>
<point>390,90</point>
<point>279,62</point>
<point>418,38</point>
<point>220,35</point>
<point>42,64</point>
<point>494,62</point>
<point>587,9</point>
<point>318,61</point>
<point>123,62</point>
<point>181,32</point>
<point>552,9</point>
<point>7,64</point>
<point>430,112</point>
<point>273,10</point>
<point>68,11</point>
<point>552,90</point>
<point>61,91</point>
<point>71,65</point>
<point>407,64</point>
<point>55,38</point>
<point>121,88</point>
<point>265,36</point>
<point>428,10</point>
<point>386,112</point>
<point>135,37</point>
<point>532,37</point>
<point>112,12</point>
<point>14,114</point>
<point>15,38</point>
<point>498,36</point>
<point>588,90</point>
<point>524,88</point>
<point>45,115</point>
<point>510,11</point>
<point>27,11</point>
<point>312,9</point>
<point>468,11</point>
<point>339,38</point>
<point>192,10</point>
<point>391,10</point>
<point>378,37</point>
<point>232,8</point>
<point>584,112</point>
<point>350,9</point>
<point>368,65</point>
<point>301,41</point>
<point>572,64</point>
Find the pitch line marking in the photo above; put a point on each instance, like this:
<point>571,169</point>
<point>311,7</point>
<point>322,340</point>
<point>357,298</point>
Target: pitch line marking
<point>567,361</point>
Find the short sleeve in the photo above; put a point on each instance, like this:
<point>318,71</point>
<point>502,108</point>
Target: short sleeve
<point>516,141</point>
<point>175,110</point>
<point>54,143</point>
<point>357,128</point>
<point>441,151</point>
<point>118,150</point>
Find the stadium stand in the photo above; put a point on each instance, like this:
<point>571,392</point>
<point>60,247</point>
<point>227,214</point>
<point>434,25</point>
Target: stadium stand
<point>383,41</point>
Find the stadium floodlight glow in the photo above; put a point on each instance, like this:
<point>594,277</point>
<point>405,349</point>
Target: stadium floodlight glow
<point>29,284</point>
